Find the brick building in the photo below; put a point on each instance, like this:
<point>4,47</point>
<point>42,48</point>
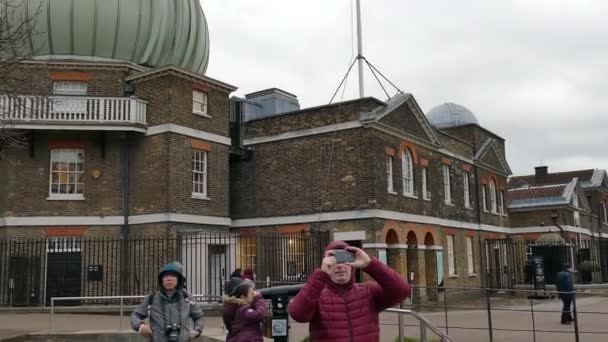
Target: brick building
<point>126,138</point>
<point>418,192</point>
<point>562,210</point>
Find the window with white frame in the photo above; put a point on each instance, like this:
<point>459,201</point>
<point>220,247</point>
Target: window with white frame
<point>199,102</point>
<point>605,212</point>
<point>199,174</point>
<point>577,217</point>
<point>501,203</point>
<point>70,88</point>
<point>447,185</point>
<point>69,105</point>
<point>389,175</point>
<point>493,205</point>
<point>465,186</point>
<point>408,173</point>
<point>470,258</point>
<point>426,194</point>
<point>484,199</point>
<point>67,174</point>
<point>451,256</point>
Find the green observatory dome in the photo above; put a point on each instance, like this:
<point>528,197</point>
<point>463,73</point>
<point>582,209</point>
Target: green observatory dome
<point>146,32</point>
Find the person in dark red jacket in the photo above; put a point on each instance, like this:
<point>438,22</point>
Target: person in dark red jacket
<point>340,310</point>
<point>244,310</point>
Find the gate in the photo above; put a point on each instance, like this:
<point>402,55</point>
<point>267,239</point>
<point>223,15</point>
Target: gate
<point>64,269</point>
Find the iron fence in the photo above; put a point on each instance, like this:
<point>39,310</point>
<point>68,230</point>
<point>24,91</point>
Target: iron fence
<point>511,262</point>
<point>486,314</point>
<point>34,270</point>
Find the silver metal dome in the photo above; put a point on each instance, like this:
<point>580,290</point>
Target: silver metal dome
<point>145,32</point>
<point>451,115</point>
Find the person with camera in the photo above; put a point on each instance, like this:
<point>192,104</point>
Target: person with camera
<point>340,310</point>
<point>169,310</point>
<point>244,310</point>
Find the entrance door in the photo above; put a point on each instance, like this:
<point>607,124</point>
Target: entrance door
<point>64,270</point>
<point>24,281</point>
<point>217,269</point>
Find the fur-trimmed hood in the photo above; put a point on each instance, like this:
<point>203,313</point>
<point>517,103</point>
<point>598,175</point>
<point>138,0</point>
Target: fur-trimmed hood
<point>234,300</point>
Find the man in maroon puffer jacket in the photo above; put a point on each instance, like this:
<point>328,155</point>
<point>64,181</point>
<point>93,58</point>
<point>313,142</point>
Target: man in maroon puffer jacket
<point>338,309</point>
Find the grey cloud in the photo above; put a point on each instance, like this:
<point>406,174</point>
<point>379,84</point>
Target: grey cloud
<point>533,71</point>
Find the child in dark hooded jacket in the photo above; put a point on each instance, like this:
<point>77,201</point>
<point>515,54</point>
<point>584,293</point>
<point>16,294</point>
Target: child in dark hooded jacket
<point>244,310</point>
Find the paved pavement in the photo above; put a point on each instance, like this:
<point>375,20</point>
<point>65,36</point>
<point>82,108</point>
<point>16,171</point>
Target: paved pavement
<point>518,318</point>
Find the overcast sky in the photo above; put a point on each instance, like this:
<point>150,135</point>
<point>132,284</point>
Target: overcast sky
<point>535,72</point>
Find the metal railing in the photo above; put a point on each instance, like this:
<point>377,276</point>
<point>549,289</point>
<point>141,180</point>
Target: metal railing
<point>424,324</point>
<point>496,307</point>
<point>78,109</point>
<point>121,300</point>
<point>33,270</point>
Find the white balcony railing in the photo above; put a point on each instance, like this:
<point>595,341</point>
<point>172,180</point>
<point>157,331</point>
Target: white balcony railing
<point>72,109</point>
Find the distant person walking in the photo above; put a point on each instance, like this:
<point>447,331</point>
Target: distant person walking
<point>565,288</point>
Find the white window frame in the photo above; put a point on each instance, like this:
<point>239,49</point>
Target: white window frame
<point>200,101</point>
<point>470,256</point>
<point>493,204</point>
<point>447,185</point>
<point>484,198</point>
<point>467,190</point>
<point>605,212</point>
<point>426,194</point>
<point>75,174</point>
<point>200,161</point>
<point>70,88</point>
<point>451,256</point>
<point>407,170</point>
<point>501,203</point>
<point>389,175</point>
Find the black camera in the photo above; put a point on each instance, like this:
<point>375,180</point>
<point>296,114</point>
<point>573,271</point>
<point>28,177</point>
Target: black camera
<point>172,332</point>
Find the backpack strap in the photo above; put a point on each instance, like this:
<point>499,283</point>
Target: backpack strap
<point>149,302</point>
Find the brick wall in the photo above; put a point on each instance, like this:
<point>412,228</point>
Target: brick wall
<point>488,217</point>
<point>288,177</point>
<point>29,177</point>
<point>539,217</point>
<point>170,101</point>
<point>456,145</point>
<point>180,176</point>
<point>149,174</point>
<point>436,206</point>
<point>403,119</point>
<point>462,278</point>
<point>311,117</point>
<point>101,81</point>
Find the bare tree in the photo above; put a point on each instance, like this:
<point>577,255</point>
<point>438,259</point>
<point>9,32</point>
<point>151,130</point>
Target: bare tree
<point>17,26</point>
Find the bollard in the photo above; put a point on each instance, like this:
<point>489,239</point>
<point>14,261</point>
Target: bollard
<point>279,297</point>
<point>280,318</point>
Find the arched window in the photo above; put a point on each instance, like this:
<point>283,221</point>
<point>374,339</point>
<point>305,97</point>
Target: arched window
<point>493,197</point>
<point>605,212</point>
<point>408,173</point>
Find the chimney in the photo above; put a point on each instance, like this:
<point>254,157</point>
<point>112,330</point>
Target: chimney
<point>541,174</point>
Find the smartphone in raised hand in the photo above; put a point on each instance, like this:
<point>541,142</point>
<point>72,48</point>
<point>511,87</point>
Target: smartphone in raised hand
<point>343,255</point>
